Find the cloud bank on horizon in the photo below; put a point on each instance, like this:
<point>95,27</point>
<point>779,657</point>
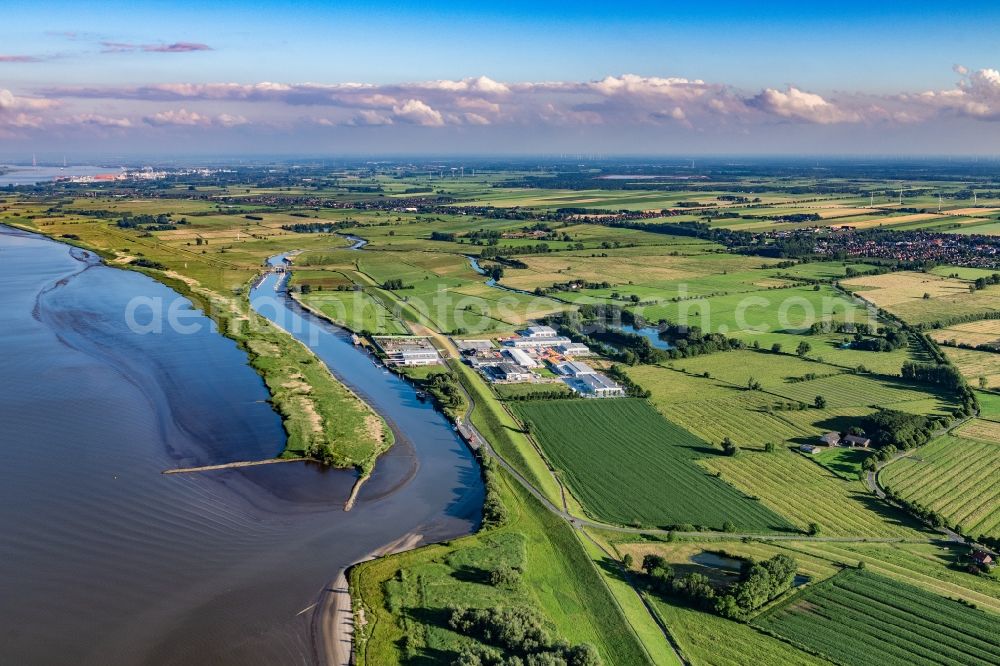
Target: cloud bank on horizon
<point>627,100</point>
<point>379,77</point>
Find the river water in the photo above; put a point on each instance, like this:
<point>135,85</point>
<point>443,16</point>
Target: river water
<point>24,175</point>
<point>107,561</point>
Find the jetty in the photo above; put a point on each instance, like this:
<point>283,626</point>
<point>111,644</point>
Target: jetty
<point>233,465</point>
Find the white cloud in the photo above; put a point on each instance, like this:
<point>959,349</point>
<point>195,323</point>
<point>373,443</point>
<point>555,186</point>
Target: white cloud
<point>804,106</point>
<point>418,113</point>
<point>11,102</point>
<point>185,118</point>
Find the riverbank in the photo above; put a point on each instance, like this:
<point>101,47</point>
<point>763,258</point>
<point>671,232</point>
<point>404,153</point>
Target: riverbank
<point>334,618</point>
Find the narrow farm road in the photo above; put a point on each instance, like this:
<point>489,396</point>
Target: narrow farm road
<point>872,480</point>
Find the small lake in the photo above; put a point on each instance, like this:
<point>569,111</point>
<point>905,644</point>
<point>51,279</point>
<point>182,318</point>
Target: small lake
<point>651,333</point>
<point>732,565</point>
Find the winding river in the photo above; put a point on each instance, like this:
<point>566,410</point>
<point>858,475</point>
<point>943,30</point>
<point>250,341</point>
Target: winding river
<point>108,561</point>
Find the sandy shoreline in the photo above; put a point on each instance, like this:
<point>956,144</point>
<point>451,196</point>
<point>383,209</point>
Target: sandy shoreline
<point>333,615</point>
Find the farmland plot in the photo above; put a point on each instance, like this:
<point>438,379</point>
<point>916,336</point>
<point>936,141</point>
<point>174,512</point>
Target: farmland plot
<point>804,492</point>
<point>627,464</point>
<point>959,477</point>
<point>974,364</point>
<point>973,333</point>
<point>858,618</point>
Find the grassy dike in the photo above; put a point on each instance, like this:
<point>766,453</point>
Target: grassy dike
<point>322,418</point>
<point>403,601</point>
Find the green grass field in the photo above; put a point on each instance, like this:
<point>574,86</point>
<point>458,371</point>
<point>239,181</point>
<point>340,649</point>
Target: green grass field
<point>989,405</point>
<point>974,364</point>
<point>705,638</point>
<point>765,310</point>
<point>955,476</point>
<point>804,492</point>
<point>406,596</point>
<point>845,463</point>
<point>929,566</point>
<point>627,464</point>
<point>515,391</point>
<point>859,618</point>
<point>712,408</point>
<point>355,310</point>
<point>719,404</point>
<point>445,289</point>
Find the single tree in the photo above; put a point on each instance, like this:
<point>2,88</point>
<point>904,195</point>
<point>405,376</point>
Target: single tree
<point>820,402</point>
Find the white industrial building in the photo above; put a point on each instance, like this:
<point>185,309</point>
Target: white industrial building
<point>538,332</point>
<point>407,350</point>
<point>585,380</point>
<point>473,345</point>
<point>574,349</point>
<point>536,342</point>
<point>520,357</point>
<point>507,372</point>
<point>575,368</point>
<point>598,385</point>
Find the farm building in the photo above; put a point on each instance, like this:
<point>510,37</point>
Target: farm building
<point>982,558</point>
<point>858,441</point>
<point>407,350</point>
<point>830,439</point>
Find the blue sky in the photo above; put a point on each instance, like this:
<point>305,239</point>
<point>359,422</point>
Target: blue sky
<point>840,67</point>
